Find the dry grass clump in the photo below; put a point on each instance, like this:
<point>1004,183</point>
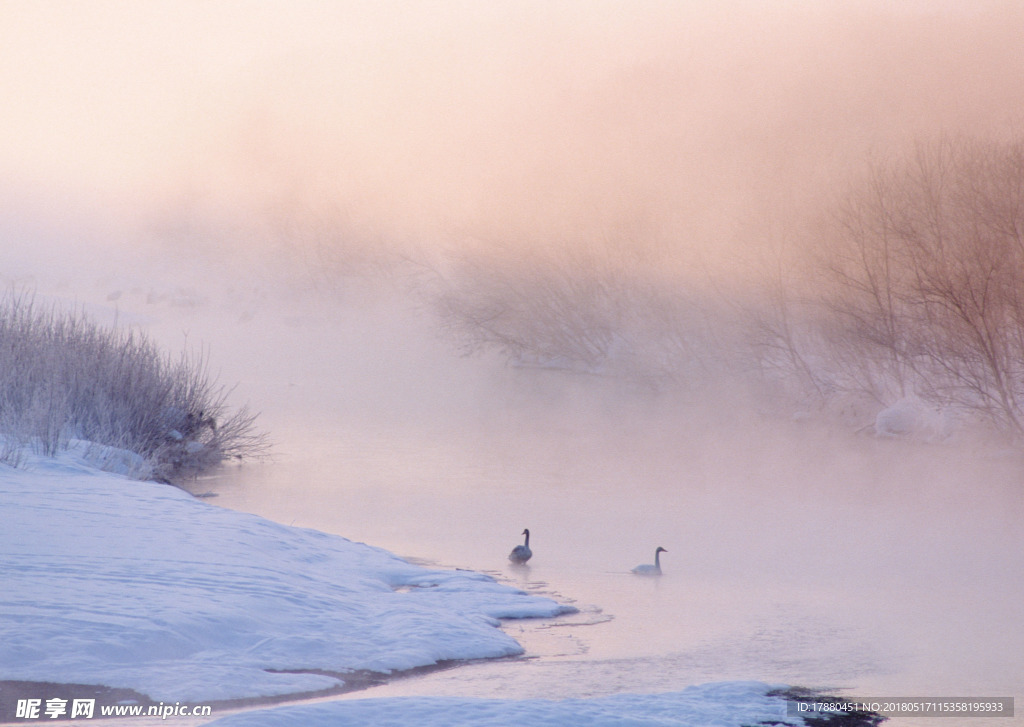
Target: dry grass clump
<point>64,377</point>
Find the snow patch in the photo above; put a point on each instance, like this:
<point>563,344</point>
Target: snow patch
<point>113,459</point>
<point>911,417</point>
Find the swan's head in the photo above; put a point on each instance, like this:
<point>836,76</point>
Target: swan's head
<point>660,550</point>
<point>526,531</point>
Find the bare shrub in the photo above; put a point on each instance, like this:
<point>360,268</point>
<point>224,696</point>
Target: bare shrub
<point>62,376</point>
<point>531,308</point>
<point>584,309</point>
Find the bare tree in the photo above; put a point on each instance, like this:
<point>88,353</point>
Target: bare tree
<point>926,279</point>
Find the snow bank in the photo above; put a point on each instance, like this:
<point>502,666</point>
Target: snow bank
<point>911,417</point>
<point>724,704</point>
<point>131,584</point>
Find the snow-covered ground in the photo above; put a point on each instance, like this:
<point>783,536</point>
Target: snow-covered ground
<point>113,581</point>
<point>723,704</point>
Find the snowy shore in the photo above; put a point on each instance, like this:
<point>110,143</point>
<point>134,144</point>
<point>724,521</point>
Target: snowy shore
<point>137,585</point>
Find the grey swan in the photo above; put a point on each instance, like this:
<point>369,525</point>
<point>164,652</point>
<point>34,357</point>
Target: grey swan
<point>521,553</point>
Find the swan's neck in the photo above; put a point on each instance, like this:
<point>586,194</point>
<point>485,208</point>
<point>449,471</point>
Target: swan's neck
<point>527,543</point>
<point>657,559</point>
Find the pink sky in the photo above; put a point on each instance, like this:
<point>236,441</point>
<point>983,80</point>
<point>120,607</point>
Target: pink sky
<point>669,120</point>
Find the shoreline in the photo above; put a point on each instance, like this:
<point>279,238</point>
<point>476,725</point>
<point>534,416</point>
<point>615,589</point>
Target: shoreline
<point>355,681</point>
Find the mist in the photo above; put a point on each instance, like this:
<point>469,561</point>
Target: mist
<point>389,176</point>
<point>410,173</point>
<point>692,131</point>
<point>250,147</point>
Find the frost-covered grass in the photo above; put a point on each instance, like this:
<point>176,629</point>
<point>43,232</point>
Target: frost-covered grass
<point>137,585</point>
<point>63,376</point>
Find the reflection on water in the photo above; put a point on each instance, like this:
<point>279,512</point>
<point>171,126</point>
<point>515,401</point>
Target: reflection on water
<point>888,569</point>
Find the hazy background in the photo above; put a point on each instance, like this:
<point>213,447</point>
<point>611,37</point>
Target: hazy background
<point>310,191</point>
<point>226,174</point>
<point>254,140</point>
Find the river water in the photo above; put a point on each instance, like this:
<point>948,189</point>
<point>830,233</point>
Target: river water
<point>797,553</point>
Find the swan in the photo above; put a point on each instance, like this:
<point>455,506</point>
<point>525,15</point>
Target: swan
<point>521,553</point>
<point>651,570</point>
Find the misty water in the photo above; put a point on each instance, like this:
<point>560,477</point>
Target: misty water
<point>798,552</point>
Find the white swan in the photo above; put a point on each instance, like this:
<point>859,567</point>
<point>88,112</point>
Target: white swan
<point>521,553</point>
<point>651,570</point>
